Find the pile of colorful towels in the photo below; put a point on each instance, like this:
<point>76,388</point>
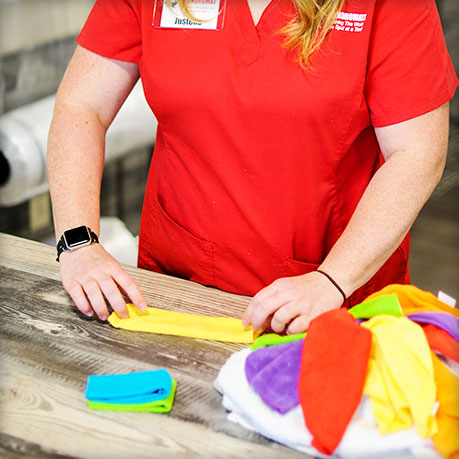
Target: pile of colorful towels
<point>378,380</point>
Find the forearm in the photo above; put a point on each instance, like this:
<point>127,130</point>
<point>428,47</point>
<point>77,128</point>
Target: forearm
<point>89,96</point>
<point>415,153</point>
<point>386,212</point>
<point>75,165</point>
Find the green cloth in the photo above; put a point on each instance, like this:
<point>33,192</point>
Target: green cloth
<point>158,406</point>
<point>272,339</point>
<point>385,304</point>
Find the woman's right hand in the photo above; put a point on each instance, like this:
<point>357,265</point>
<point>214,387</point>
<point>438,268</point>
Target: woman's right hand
<point>93,279</point>
<point>89,97</point>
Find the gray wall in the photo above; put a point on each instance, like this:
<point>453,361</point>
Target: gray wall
<point>37,40</point>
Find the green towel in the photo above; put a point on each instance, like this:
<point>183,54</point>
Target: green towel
<point>385,304</point>
<point>272,339</point>
<point>158,406</point>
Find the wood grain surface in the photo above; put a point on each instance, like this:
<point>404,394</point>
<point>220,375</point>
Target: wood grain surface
<point>48,349</point>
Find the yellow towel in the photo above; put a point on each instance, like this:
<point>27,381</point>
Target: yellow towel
<point>163,322</point>
<point>446,441</point>
<point>400,380</point>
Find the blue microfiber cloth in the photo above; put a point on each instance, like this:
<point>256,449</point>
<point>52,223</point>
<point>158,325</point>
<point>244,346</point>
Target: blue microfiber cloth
<point>160,406</point>
<point>133,388</point>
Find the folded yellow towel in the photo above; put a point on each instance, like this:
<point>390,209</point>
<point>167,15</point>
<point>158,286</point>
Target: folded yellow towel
<point>163,322</point>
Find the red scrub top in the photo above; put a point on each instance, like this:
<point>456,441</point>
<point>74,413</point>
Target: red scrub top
<point>259,164</point>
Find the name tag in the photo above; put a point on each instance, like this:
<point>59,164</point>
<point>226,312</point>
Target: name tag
<point>209,14</point>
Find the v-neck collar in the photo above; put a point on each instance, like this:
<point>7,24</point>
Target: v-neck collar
<point>245,5</point>
<point>251,34</point>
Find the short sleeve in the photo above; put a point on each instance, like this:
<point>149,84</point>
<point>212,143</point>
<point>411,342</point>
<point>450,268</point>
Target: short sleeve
<point>409,70</point>
<point>113,29</point>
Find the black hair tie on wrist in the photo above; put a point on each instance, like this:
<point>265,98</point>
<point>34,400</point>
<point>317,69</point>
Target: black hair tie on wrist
<point>333,282</point>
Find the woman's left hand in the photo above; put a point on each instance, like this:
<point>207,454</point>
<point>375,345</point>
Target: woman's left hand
<point>290,303</point>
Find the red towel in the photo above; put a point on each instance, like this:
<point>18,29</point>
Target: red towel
<point>333,370</point>
<point>441,341</point>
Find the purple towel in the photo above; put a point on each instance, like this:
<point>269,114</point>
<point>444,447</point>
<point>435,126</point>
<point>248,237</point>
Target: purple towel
<point>273,372</point>
<point>442,320</point>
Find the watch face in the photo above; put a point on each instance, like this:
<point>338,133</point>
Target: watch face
<point>77,236</point>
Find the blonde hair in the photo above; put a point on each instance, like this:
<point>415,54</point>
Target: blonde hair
<point>306,31</point>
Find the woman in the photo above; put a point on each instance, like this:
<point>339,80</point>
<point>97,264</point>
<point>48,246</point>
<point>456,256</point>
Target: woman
<point>297,142</point>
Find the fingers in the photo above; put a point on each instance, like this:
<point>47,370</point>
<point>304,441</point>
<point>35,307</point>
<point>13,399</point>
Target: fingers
<point>91,295</point>
<point>256,302</point>
<point>298,325</point>
<point>289,304</point>
<point>95,298</point>
<point>264,305</point>
<point>125,281</point>
<point>284,316</point>
<point>95,280</point>
<point>79,298</point>
<point>113,296</point>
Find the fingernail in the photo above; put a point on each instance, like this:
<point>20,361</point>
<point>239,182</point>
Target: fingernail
<point>104,318</point>
<point>89,314</point>
<point>143,306</point>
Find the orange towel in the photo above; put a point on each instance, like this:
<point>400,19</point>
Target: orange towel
<point>446,441</point>
<point>413,299</point>
<point>441,341</point>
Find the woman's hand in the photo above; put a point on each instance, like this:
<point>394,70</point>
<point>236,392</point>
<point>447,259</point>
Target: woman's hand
<point>290,303</point>
<point>89,97</point>
<point>93,278</point>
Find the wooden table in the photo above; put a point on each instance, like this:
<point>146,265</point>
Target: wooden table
<point>48,349</point>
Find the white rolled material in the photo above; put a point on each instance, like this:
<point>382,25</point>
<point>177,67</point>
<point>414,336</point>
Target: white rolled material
<point>118,241</point>
<point>24,136</point>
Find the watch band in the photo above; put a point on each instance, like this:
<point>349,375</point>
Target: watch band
<point>62,246</point>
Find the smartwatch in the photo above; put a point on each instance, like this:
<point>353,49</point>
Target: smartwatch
<point>75,238</point>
